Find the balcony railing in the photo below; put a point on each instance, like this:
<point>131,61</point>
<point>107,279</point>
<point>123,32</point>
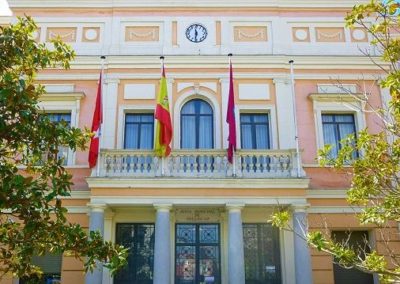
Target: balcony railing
<point>199,164</point>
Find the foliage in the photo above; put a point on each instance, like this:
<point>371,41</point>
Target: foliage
<point>32,177</point>
<point>375,176</point>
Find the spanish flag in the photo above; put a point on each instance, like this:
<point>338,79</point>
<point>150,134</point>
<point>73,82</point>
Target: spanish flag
<point>163,117</point>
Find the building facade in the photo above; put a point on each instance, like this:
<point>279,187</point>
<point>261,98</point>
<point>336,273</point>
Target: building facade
<point>193,217</point>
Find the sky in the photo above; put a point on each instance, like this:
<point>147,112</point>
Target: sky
<point>4,10</point>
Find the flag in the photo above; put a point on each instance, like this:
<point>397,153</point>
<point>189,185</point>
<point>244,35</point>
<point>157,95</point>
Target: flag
<point>96,127</point>
<point>164,125</point>
<point>230,117</point>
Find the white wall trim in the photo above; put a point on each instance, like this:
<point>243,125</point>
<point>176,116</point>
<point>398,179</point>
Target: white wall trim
<point>129,184</point>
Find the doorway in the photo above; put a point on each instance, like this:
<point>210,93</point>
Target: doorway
<point>197,254</point>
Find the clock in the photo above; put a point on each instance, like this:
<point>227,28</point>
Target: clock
<point>196,33</point>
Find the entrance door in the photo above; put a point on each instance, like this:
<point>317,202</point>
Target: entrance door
<point>197,254</point>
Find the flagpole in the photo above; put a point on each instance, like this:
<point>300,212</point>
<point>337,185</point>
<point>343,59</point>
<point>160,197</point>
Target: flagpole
<point>102,113</point>
<point>234,150</point>
<point>291,62</point>
<point>162,158</point>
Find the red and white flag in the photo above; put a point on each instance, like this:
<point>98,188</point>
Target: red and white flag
<point>230,117</point>
<point>96,127</point>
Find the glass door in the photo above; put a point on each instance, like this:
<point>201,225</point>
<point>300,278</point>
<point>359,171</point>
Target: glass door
<point>197,254</point>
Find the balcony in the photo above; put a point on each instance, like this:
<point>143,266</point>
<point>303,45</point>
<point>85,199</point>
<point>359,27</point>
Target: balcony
<point>199,164</point>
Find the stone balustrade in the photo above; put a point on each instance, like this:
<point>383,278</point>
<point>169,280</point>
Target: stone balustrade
<point>199,164</point>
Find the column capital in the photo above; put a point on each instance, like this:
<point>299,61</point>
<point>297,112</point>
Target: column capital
<point>97,207</point>
<point>111,81</point>
<point>163,207</point>
<point>234,207</point>
<point>300,208</point>
<point>285,81</point>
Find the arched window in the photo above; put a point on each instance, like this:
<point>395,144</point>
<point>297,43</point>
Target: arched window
<point>197,129</point>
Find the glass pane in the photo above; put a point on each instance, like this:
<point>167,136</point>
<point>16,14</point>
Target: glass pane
<point>260,118</point>
<point>246,137</point>
<point>209,234</point>
<point>131,136</point>
<point>189,107</point>
<point>205,132</point>
<point>204,108</point>
<point>185,234</point>
<point>147,118</point>
<point>344,118</point>
<point>185,265</point>
<point>209,263</point>
<point>245,118</point>
<point>188,132</point>
<point>331,138</point>
<point>327,118</point>
<point>262,137</point>
<point>146,136</point>
<point>345,130</point>
<point>132,118</point>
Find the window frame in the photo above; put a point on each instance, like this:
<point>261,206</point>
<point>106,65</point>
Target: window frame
<point>208,96</point>
<point>197,117</point>
<point>335,104</point>
<point>139,129</point>
<point>269,110</point>
<point>254,130</point>
<point>122,111</point>
<point>63,103</point>
<point>336,127</point>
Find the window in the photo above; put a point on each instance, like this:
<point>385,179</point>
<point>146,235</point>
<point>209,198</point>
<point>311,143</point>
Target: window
<point>197,127</point>
<point>254,130</point>
<point>63,151</point>
<point>139,239</point>
<point>261,254</point>
<point>51,267</point>
<point>357,240</point>
<point>139,131</point>
<point>335,128</point>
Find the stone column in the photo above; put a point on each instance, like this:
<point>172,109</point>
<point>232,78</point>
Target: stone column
<point>302,257</point>
<point>162,245</point>
<point>96,223</point>
<point>284,111</point>
<point>235,245</point>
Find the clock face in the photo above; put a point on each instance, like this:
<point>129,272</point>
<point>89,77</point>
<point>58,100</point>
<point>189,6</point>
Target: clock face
<point>196,33</point>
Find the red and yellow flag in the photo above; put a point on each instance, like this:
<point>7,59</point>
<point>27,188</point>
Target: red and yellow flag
<point>163,124</point>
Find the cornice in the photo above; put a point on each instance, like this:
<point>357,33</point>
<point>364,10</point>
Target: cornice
<point>290,183</point>
<point>186,3</point>
<point>177,62</point>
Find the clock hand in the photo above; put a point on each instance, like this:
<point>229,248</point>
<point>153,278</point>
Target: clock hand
<point>195,34</point>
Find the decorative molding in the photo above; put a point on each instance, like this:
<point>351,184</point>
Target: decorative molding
<point>301,34</point>
<point>250,33</point>
<point>359,35</point>
<point>67,34</point>
<point>90,34</point>
<point>142,33</point>
<point>330,34</point>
